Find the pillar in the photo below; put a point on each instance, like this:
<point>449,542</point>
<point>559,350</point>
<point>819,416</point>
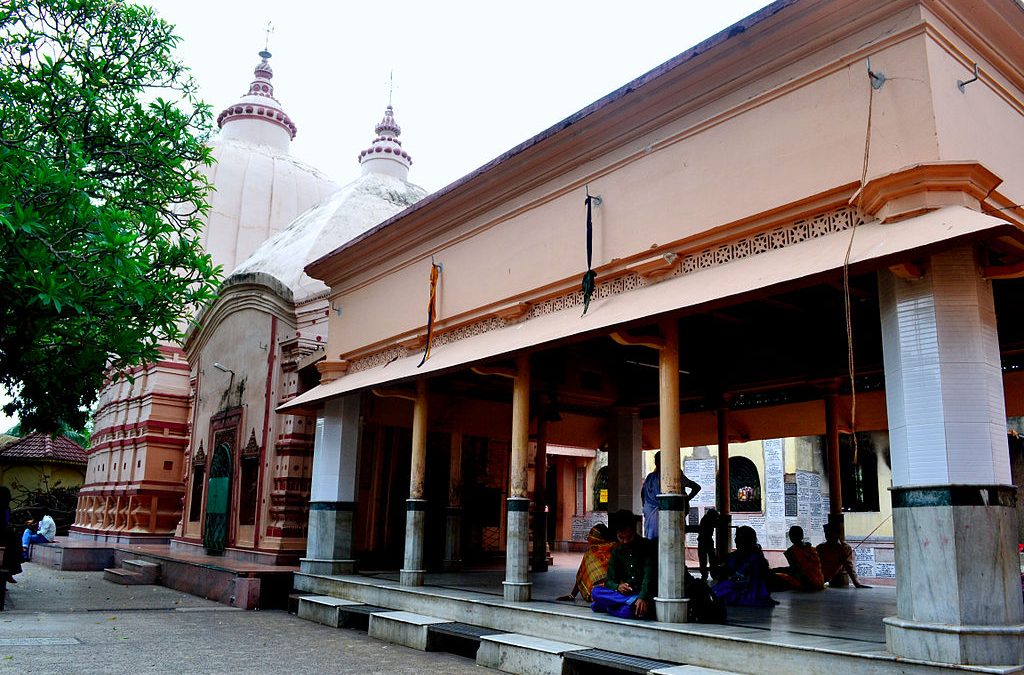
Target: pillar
<point>835,484</point>
<point>625,462</point>
<point>516,584</point>
<point>415,511</point>
<point>453,530</point>
<point>958,597</point>
<point>333,488</point>
<point>670,602</point>
<point>540,515</point>
<point>723,533</point>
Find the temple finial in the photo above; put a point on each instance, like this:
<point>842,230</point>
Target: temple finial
<point>266,41</point>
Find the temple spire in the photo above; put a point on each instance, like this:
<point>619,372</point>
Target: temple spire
<point>385,154</point>
<point>258,117</point>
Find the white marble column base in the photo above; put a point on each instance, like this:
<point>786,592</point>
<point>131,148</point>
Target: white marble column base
<point>517,591</point>
<point>671,610</point>
<point>944,643</point>
<point>412,577</point>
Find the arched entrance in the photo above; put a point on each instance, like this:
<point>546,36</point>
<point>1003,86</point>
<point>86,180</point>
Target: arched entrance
<point>218,492</point>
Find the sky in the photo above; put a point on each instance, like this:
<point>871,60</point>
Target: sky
<point>471,79</point>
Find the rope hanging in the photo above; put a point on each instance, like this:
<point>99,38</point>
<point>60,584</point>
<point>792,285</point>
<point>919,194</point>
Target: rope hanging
<point>435,271</point>
<point>590,276</point>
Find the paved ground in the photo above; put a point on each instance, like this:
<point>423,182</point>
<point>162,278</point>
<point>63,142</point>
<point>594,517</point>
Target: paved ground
<point>75,622</point>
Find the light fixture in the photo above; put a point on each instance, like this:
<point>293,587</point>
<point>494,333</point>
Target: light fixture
<point>223,368</point>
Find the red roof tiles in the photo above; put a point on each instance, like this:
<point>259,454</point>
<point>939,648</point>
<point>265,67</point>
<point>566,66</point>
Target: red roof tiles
<point>42,447</point>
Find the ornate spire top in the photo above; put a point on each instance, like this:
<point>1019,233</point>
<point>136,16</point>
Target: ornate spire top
<point>388,126</point>
<point>259,104</point>
<point>385,154</point>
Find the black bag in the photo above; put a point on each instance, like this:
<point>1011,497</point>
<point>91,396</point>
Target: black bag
<point>703,606</point>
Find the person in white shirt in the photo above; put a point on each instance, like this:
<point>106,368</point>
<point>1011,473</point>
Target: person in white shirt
<point>48,528</point>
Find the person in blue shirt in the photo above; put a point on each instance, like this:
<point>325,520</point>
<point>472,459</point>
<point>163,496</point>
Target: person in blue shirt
<point>650,491</point>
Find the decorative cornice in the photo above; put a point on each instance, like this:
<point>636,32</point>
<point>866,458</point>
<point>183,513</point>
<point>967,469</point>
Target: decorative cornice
<point>682,262</point>
<point>915,189</point>
<point>331,370</point>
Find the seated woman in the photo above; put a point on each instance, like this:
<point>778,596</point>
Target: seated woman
<point>837,557</point>
<point>594,566</point>
<point>804,571</point>
<point>743,577</point>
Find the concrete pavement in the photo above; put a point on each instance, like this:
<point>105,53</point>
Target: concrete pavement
<point>75,622</point>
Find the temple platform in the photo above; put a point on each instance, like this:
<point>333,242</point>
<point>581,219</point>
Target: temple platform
<point>837,630</point>
<point>232,582</point>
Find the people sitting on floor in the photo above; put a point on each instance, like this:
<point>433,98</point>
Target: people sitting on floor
<point>629,588</point>
<point>743,578</point>
<point>706,555</point>
<point>836,557</point>
<point>804,570</point>
<point>594,567</point>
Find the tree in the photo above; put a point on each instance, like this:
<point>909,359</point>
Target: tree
<point>102,138</point>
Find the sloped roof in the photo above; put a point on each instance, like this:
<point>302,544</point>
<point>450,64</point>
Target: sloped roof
<point>42,447</point>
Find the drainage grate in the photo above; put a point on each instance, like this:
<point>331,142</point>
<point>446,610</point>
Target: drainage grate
<point>358,616</point>
<point>463,630</point>
<point>601,661</point>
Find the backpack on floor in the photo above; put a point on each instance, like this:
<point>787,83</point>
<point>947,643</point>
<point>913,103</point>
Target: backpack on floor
<point>704,606</point>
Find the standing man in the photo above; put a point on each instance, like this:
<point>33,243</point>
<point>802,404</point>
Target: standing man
<point>650,491</point>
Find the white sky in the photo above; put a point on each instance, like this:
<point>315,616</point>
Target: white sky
<point>472,79</point>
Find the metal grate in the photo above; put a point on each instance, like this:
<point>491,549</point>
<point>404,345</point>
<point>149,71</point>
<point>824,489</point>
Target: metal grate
<point>463,630</point>
<point>613,662</point>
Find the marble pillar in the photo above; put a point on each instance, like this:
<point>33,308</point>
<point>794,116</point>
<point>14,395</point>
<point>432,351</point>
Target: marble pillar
<point>333,488</point>
<point>516,584</point>
<point>415,513</point>
<point>958,596</point>
<point>453,525</point>
<point>670,601</point>
<point>625,462</point>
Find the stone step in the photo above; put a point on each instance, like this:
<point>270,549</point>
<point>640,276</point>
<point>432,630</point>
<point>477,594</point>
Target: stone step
<point>691,670</point>
<point>149,571</point>
<point>403,628</point>
<point>121,576</point>
<point>324,609</point>
<point>514,653</point>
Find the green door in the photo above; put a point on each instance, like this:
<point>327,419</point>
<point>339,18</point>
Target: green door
<point>218,490</point>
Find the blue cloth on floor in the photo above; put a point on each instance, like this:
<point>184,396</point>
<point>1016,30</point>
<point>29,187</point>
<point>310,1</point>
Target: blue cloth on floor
<point>613,602</point>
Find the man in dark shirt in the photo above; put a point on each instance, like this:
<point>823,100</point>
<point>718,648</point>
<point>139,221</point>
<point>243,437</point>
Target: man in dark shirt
<point>629,588</point>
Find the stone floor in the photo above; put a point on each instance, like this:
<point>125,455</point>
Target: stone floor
<point>846,613</point>
<point>75,622</point>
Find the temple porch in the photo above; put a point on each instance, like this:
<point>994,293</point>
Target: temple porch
<point>835,630</point>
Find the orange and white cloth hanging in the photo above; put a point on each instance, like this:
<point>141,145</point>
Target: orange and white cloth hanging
<point>435,272</point>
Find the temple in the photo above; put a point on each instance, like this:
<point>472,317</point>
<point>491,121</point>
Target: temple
<point>799,241</point>
<point>134,483</point>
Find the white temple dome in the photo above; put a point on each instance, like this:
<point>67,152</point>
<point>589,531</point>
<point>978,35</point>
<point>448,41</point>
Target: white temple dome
<point>364,203</point>
<point>258,187</point>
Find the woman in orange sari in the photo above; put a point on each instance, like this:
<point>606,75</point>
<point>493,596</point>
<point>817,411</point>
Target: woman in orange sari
<point>594,566</point>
